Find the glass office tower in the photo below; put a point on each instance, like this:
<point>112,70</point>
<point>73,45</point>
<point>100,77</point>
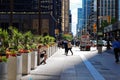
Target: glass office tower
<point>86,11</point>
<point>79,21</point>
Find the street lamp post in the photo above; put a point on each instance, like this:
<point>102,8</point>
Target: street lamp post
<point>99,38</point>
<point>97,21</point>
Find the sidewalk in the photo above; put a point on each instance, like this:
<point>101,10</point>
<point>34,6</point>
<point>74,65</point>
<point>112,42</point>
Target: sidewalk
<point>87,65</point>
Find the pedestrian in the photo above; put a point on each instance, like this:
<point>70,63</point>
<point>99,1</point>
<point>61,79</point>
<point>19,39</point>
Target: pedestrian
<point>59,44</point>
<point>66,46</point>
<point>42,54</point>
<point>70,47</point>
<point>108,44</point>
<point>116,49</point>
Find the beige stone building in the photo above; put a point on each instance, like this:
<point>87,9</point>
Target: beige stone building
<point>65,16</point>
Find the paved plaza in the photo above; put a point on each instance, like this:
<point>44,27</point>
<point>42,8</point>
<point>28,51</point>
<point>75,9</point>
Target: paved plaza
<point>83,65</point>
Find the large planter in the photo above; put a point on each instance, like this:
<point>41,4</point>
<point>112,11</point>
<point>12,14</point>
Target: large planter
<point>34,57</point>
<point>48,53</point>
<point>3,71</point>
<point>14,67</point>
<point>26,63</point>
<point>52,52</point>
<point>38,59</point>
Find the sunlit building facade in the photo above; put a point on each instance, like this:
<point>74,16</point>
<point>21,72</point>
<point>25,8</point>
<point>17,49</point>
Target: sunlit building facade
<point>65,16</point>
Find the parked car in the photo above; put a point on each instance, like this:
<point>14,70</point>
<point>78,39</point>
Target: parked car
<point>104,42</point>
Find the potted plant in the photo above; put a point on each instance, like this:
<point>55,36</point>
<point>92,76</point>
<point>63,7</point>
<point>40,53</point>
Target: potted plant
<point>3,57</point>
<point>4,38</point>
<point>26,53</point>
<point>14,57</point>
<point>34,54</point>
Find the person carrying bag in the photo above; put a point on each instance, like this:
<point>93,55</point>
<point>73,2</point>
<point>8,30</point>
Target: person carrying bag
<point>70,47</point>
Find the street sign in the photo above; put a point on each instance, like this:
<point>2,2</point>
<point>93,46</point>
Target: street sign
<point>100,33</point>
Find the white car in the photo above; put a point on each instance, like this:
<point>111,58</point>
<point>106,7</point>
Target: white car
<point>94,42</point>
<point>104,42</point>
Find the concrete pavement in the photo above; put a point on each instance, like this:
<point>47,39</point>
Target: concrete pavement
<point>83,65</point>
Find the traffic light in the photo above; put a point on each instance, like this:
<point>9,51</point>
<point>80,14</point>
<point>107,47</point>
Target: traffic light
<point>94,27</point>
<point>56,31</point>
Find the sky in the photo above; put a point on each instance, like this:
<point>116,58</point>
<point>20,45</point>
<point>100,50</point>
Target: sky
<point>74,5</point>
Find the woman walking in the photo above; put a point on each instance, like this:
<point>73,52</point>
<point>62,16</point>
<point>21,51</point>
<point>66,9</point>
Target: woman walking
<point>70,47</point>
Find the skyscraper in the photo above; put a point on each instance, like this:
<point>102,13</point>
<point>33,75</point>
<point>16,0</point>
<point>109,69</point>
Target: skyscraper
<point>79,21</point>
<point>108,11</point>
<point>65,16</point>
<point>86,12</point>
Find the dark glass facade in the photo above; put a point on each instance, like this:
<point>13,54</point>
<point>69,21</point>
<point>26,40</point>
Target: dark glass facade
<point>18,5</point>
<point>24,13</point>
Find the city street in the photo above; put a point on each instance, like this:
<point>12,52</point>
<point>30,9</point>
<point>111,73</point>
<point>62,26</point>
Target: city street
<point>82,65</point>
<point>40,27</point>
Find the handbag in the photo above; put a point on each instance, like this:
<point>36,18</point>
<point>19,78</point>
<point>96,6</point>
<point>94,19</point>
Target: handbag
<point>41,55</point>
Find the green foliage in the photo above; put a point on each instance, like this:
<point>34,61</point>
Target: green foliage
<point>4,38</point>
<point>34,46</point>
<point>67,36</point>
<point>15,38</point>
<point>20,46</point>
<point>27,39</point>
<point>39,39</point>
<point>104,23</point>
<point>113,20</point>
<point>4,58</point>
<point>48,39</point>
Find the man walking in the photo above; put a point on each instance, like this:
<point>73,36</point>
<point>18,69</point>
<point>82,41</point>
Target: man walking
<point>66,47</point>
<point>116,49</point>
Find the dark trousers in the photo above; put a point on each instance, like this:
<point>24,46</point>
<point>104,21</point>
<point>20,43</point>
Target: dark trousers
<point>116,53</point>
<point>66,51</point>
<point>70,50</point>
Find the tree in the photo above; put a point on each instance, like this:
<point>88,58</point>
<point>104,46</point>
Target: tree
<point>104,23</point>
<point>67,36</point>
<point>113,20</point>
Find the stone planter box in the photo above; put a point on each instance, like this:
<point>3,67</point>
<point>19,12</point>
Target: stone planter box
<point>34,59</point>
<point>26,63</point>
<point>14,67</point>
<point>38,59</point>
<point>50,51</point>
<point>3,71</point>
